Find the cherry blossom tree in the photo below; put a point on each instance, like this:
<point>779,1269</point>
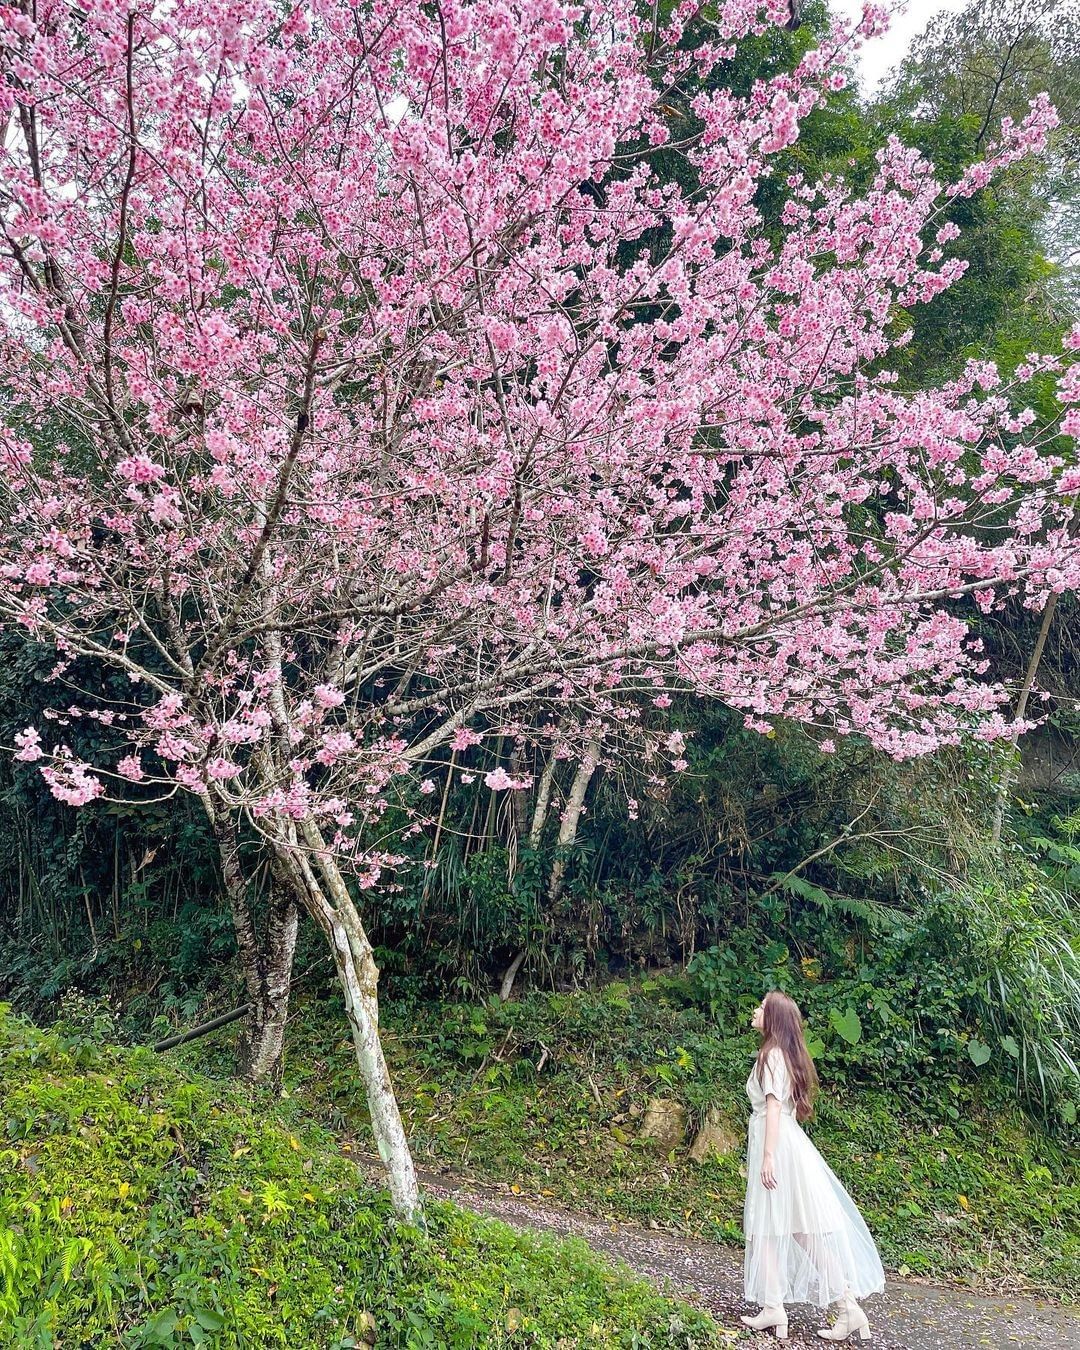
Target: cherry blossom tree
<point>369,395</point>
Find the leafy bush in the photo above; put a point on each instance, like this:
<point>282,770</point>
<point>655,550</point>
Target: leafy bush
<point>142,1208</point>
<point>983,983</point>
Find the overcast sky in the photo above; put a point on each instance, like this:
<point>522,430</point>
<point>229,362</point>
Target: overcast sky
<point>881,54</point>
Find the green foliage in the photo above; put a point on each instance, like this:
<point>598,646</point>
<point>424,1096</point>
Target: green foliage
<point>547,1093</point>
<point>854,883</point>
<point>874,914</point>
<point>1024,941</point>
<point>996,967</point>
<point>1054,844</point>
<point>141,1208</point>
<point>113,897</point>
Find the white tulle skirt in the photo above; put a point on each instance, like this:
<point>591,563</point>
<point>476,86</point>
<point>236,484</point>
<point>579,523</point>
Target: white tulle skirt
<point>805,1240</point>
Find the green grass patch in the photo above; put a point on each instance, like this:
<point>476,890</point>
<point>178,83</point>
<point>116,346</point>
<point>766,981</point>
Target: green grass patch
<point>547,1093</point>
<point>142,1205</point>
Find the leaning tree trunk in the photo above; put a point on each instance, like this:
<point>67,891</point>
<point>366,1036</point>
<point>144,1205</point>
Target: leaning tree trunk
<point>506,988</point>
<point>266,966</point>
<point>575,803</point>
<point>1021,708</point>
<point>310,869</point>
<point>543,802</point>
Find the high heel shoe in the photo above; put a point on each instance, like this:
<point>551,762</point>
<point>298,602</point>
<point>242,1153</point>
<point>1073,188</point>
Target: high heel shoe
<point>852,1321</point>
<point>769,1319</point>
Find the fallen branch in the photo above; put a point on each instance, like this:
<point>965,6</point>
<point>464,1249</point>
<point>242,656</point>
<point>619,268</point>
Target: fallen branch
<point>222,1019</point>
<point>203,1029</point>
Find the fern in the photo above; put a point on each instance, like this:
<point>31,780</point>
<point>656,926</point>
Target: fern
<point>875,914</point>
<point>74,1250</point>
<point>121,1258</point>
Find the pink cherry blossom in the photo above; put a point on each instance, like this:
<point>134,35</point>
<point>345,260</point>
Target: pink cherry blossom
<point>394,435</point>
<point>464,738</point>
<point>221,770</point>
<point>326,696</point>
<point>131,768</point>
<point>71,782</point>
<point>410,400</point>
<point>28,745</point>
<point>499,780</point>
<point>139,469</point>
<point>39,574</point>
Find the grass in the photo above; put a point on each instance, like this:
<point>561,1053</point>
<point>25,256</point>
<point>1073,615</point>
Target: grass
<point>547,1094</point>
<point>143,1204</point>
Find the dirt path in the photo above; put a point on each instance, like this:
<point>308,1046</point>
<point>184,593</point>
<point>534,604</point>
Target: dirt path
<point>908,1316</point>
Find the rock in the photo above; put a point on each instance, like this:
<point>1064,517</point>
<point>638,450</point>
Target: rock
<point>664,1124</point>
<point>715,1139</point>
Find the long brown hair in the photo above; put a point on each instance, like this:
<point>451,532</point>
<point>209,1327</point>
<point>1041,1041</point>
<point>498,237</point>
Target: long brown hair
<point>783,1030</point>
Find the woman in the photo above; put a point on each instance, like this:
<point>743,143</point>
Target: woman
<point>805,1240</point>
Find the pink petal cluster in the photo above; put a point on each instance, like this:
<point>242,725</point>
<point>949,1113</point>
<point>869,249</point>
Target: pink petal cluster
<point>71,782</point>
<point>499,780</point>
<point>28,745</point>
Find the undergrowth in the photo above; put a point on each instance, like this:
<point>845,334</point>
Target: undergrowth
<point>144,1205</point>
<point>547,1094</point>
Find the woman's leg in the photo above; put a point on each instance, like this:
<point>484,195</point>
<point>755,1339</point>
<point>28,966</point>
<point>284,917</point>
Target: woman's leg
<point>824,1261</point>
<point>773,1316</point>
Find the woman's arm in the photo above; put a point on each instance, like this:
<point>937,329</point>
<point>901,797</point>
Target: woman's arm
<point>772,1129</point>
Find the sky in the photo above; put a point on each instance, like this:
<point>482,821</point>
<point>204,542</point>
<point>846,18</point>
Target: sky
<point>880,55</point>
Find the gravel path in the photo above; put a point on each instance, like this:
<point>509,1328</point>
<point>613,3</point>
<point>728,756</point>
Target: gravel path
<point>908,1316</point>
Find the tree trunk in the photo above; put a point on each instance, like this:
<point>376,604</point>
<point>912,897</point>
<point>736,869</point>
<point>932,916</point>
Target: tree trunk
<point>266,968</point>
<point>359,979</point>
<point>327,899</point>
<point>570,817</point>
<point>1018,716</point>
<point>518,801</point>
<point>260,1049</point>
<point>507,986</point>
<point>543,801</point>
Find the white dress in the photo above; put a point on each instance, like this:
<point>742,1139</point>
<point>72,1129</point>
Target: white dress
<point>805,1240</point>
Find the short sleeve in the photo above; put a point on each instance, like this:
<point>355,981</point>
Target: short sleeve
<point>774,1076</point>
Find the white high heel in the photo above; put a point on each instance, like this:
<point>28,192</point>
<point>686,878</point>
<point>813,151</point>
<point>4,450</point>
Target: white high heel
<point>852,1321</point>
<point>769,1319</point>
